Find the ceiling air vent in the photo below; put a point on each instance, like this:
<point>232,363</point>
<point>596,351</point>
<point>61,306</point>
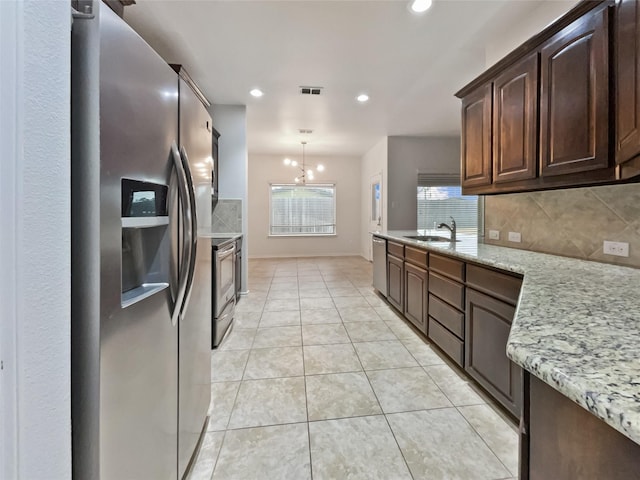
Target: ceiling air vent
<point>305,131</point>
<point>310,90</point>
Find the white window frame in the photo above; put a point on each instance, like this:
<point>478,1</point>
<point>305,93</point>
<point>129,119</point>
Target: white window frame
<point>335,202</point>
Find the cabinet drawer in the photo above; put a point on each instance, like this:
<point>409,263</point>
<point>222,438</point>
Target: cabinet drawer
<point>447,315</point>
<point>449,291</point>
<point>447,341</point>
<point>395,249</point>
<point>415,256</point>
<point>499,285</point>
<point>447,266</point>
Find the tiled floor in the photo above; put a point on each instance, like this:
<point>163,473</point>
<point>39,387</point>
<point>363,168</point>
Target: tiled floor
<point>321,379</point>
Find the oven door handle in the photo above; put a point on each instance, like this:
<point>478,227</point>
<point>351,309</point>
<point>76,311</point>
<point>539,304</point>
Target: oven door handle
<point>184,255</point>
<point>193,226</point>
<point>225,252</point>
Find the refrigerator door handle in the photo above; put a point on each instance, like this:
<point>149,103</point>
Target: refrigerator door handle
<point>183,197</point>
<point>193,224</point>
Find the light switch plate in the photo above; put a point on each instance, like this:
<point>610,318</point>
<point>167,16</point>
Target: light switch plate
<point>494,234</point>
<point>515,237</point>
<point>621,249</point>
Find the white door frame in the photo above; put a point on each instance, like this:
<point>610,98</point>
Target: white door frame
<point>11,95</point>
<point>374,223</point>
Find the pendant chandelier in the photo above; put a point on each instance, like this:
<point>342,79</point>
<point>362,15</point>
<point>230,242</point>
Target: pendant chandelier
<point>305,173</point>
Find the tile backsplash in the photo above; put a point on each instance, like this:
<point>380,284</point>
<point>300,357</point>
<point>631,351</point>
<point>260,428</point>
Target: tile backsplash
<point>227,216</point>
<point>572,222</point>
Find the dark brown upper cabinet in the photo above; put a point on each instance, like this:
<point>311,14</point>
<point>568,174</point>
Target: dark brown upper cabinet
<point>515,126</point>
<point>476,138</point>
<point>552,104</point>
<point>627,71</point>
<point>574,97</point>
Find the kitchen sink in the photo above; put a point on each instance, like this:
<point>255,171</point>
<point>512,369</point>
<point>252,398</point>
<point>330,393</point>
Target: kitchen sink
<point>429,238</point>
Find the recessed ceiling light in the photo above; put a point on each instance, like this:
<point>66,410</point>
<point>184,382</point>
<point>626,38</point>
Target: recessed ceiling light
<point>363,97</point>
<point>420,6</point>
<point>256,92</point>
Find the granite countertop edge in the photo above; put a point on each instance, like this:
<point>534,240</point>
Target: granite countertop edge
<point>576,326</point>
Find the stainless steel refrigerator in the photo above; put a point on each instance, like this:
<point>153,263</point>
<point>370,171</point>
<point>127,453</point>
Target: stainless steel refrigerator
<point>141,276</point>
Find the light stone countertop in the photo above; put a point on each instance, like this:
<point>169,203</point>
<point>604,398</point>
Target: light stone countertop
<point>576,327</point>
<point>208,234</point>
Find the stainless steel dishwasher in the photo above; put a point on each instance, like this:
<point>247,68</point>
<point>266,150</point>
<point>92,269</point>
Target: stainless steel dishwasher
<point>380,264</point>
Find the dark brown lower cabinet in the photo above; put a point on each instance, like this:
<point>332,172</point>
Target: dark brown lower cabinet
<point>415,295</point>
<point>487,326</point>
<point>395,282</point>
<point>565,441</point>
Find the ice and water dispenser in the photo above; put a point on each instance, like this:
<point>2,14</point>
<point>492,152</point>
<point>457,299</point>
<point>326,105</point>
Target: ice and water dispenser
<point>145,240</point>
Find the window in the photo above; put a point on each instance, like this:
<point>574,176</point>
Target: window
<point>303,209</point>
<point>440,197</point>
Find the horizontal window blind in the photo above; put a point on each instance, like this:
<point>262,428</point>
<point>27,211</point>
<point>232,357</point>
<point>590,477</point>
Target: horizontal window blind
<point>436,204</point>
<point>303,209</point>
<point>438,179</point>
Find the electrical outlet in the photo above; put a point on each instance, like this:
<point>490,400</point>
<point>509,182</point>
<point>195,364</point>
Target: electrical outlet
<point>515,237</point>
<point>494,234</point>
<point>621,249</point>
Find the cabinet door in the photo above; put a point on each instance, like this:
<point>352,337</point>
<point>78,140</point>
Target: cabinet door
<point>476,138</point>
<point>574,98</point>
<point>395,281</point>
<point>627,80</point>
<point>515,128</point>
<point>488,322</point>
<point>415,295</point>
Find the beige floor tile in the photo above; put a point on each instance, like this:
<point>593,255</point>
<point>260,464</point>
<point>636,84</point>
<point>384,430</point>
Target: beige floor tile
<point>384,355</point>
<point>374,300</point>
<point>314,293</point>
<point>276,452</point>
<point>338,284</point>
<point>401,329</point>
<point>405,389</point>
<point>274,363</point>
<point>311,284</point>
<point>247,319</point>
<point>324,334</point>
<point>498,434</point>
<point>316,303</point>
<point>325,315</point>
<point>250,305</point>
<point>330,359</point>
<point>269,402</point>
<point>278,337</point>
<point>283,295</point>
<point>228,366</point>
<point>422,352</point>
<point>223,396</point>
<point>368,331</point>
<point>355,448</point>
<point>387,313</point>
<point>281,305</point>
<point>339,395</point>
<point>280,318</point>
<point>289,280</point>
<point>441,444</point>
<point>457,388</point>
<point>238,339</point>
<point>344,292</point>
<point>358,314</point>
<point>206,461</point>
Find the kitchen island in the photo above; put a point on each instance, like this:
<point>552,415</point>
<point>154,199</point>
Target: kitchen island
<point>576,328</point>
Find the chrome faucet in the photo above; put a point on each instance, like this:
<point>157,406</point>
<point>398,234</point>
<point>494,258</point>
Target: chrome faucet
<point>452,228</point>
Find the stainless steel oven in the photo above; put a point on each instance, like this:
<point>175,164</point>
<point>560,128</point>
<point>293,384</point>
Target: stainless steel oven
<point>224,297</point>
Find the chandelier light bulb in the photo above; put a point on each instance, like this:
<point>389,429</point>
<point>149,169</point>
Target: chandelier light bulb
<point>294,163</point>
<point>309,172</point>
<point>297,180</point>
<point>287,161</point>
<point>320,168</point>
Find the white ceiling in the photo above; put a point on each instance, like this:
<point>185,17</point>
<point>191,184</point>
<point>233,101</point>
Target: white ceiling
<point>410,65</point>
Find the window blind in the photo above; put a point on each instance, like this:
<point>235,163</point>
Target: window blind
<point>302,209</point>
<point>440,197</point>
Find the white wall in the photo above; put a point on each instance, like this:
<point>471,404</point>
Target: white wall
<point>374,162</point>
<point>343,171</point>
<point>233,166</point>
<point>407,157</point>
<point>35,241</point>
<point>515,34</point>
